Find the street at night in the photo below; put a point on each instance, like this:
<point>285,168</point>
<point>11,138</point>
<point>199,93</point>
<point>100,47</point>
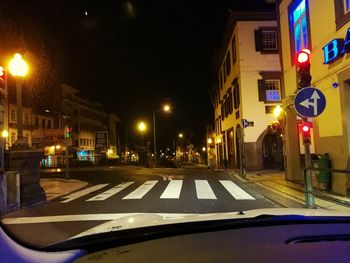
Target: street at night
<point>133,190</point>
<point>159,131</point>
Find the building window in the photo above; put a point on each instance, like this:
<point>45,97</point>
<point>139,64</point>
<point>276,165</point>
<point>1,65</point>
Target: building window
<point>273,90</point>
<point>269,40</point>
<point>266,40</point>
<point>234,54</point>
<point>236,96</point>
<point>43,123</point>
<point>81,141</point>
<point>220,80</point>
<point>49,124</point>
<point>13,116</point>
<point>342,14</point>
<point>228,63</point>
<point>299,28</point>
<point>26,118</point>
<point>13,138</point>
<point>36,122</point>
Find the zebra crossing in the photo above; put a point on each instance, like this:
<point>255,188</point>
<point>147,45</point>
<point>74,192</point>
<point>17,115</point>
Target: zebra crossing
<point>173,190</point>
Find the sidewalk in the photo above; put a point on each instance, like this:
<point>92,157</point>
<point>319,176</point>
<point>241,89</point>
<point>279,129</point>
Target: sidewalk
<point>274,186</point>
<point>56,187</point>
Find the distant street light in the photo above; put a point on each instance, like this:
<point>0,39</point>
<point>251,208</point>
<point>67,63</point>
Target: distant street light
<point>167,109</point>
<point>277,111</point>
<point>181,135</point>
<point>19,69</point>
<point>142,128</point>
<point>4,134</point>
<point>204,149</point>
<point>210,141</point>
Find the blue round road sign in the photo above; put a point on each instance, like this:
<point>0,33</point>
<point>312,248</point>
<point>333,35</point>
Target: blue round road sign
<point>310,102</point>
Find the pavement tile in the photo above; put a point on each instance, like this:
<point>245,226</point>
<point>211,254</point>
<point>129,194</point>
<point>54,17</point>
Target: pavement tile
<point>55,187</point>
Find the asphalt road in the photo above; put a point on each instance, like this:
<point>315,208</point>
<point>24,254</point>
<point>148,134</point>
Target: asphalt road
<point>113,191</point>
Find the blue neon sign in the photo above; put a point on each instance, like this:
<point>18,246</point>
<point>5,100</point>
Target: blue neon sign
<point>336,48</point>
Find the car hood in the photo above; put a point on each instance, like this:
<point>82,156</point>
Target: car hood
<point>138,220</point>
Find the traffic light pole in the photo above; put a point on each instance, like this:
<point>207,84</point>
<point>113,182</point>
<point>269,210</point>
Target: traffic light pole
<point>67,159</point>
<point>241,156</point>
<point>309,196</point>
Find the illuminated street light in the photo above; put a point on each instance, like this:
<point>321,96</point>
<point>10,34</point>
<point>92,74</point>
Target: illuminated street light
<point>19,69</point>
<point>210,141</point>
<point>204,149</point>
<point>277,111</point>
<point>181,135</point>
<point>4,134</point>
<point>142,128</point>
<point>218,141</point>
<point>58,147</point>
<point>166,108</point>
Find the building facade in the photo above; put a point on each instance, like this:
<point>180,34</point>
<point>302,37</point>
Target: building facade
<point>249,88</point>
<point>322,27</point>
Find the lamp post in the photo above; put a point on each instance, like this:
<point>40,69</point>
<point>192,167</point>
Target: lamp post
<point>167,109</point>
<point>4,135</point>
<point>19,69</point>
<point>142,128</point>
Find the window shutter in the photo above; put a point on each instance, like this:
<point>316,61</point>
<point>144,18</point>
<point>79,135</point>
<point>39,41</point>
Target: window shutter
<point>262,89</point>
<point>258,40</point>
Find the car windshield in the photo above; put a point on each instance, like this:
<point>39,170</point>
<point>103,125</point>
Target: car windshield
<point>126,114</point>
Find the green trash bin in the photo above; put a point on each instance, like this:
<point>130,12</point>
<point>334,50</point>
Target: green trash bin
<point>323,177</point>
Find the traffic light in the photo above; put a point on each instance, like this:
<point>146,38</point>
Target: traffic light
<point>2,73</point>
<point>68,132</point>
<point>303,68</point>
<point>306,132</point>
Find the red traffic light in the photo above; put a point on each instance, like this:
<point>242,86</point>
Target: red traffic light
<point>303,56</point>
<point>2,73</point>
<point>303,68</point>
<point>305,128</point>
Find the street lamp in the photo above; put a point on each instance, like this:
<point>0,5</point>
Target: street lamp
<point>142,128</point>
<point>277,111</point>
<point>167,109</point>
<point>4,135</point>
<point>19,69</point>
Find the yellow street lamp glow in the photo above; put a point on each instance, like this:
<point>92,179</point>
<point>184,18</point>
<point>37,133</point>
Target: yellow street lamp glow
<point>204,149</point>
<point>5,134</point>
<point>166,108</point>
<point>17,66</point>
<point>210,141</point>
<point>141,126</point>
<point>58,147</point>
<point>181,135</point>
<point>277,111</point>
<point>218,140</point>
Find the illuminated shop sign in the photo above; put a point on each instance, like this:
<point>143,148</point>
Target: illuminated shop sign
<point>336,48</point>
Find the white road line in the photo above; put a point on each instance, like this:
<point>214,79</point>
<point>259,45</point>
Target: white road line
<point>204,190</point>
<point>141,190</point>
<point>83,192</point>
<point>110,192</point>
<point>236,191</point>
<point>173,190</point>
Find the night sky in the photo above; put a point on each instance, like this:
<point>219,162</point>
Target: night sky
<point>133,55</point>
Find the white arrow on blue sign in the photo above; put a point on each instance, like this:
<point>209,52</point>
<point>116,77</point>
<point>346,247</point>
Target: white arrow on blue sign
<point>310,102</point>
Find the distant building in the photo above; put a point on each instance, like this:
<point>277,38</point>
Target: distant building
<point>247,85</point>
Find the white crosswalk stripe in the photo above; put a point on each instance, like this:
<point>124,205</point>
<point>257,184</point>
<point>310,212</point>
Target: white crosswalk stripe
<point>204,190</point>
<point>83,192</point>
<point>173,190</point>
<point>237,192</point>
<point>142,190</point>
<point>110,192</point>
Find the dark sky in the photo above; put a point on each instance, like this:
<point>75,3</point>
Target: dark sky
<point>133,55</point>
